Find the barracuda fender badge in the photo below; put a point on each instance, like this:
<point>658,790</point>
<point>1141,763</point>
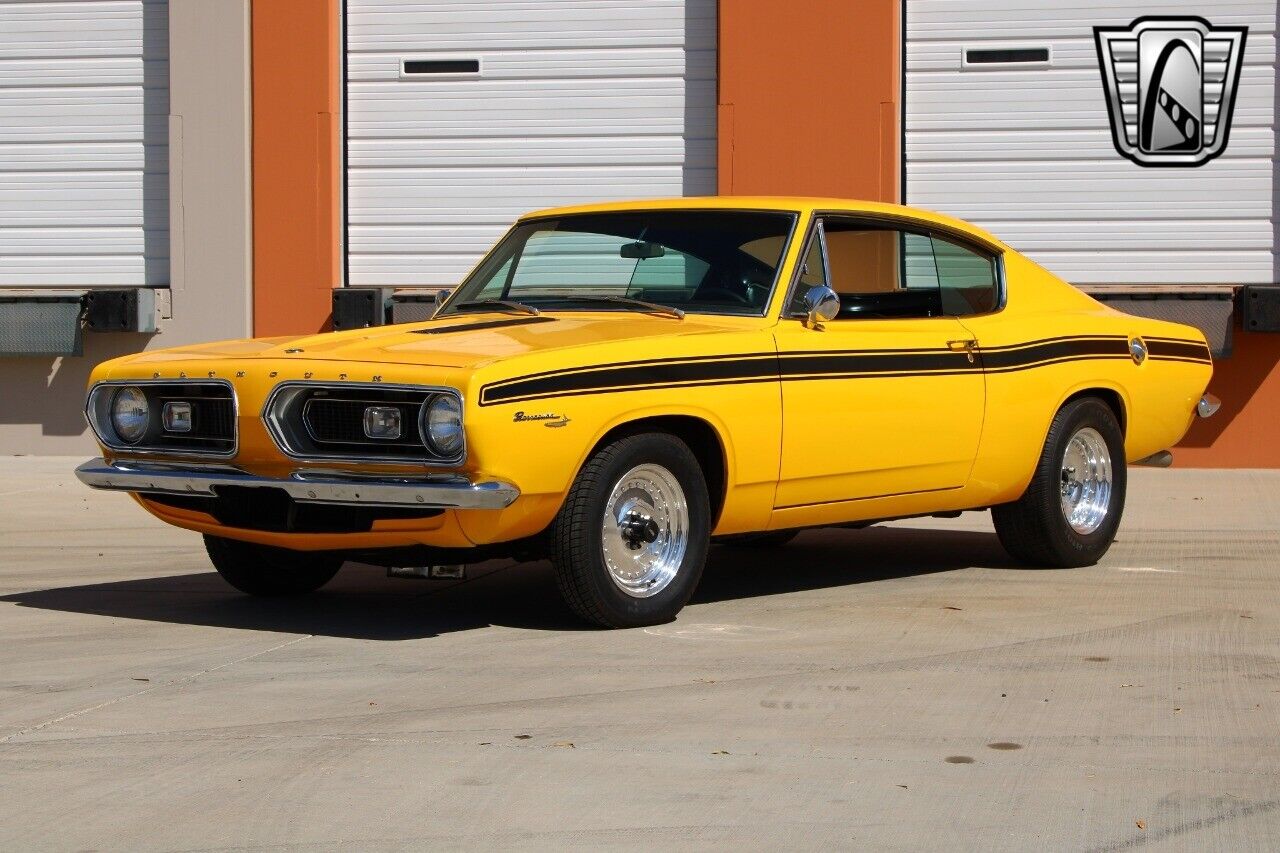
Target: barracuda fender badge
<point>547,419</point>
<point>1171,88</point>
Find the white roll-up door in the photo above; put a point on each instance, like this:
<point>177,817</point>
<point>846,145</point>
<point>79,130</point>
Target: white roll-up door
<point>463,115</point>
<point>84,195</point>
<point>1025,147</point>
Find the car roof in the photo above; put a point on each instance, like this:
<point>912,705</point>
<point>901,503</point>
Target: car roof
<point>789,204</point>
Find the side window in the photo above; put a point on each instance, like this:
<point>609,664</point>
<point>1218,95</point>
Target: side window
<point>918,264</point>
<point>885,272</point>
<point>967,279</point>
<point>880,272</point>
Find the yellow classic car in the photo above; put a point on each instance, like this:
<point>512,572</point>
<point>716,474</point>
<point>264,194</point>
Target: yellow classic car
<point>615,387</point>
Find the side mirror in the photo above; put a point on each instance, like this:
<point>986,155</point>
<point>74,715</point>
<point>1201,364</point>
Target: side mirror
<point>820,304</point>
<point>441,296</point>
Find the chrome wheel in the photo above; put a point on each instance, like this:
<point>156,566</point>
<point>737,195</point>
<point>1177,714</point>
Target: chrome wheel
<point>646,530</point>
<point>1086,481</point>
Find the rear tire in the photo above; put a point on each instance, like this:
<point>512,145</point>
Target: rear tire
<point>629,544</point>
<point>1070,512</point>
<point>263,570</point>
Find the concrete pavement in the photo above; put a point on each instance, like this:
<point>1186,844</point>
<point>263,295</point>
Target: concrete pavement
<point>901,687</point>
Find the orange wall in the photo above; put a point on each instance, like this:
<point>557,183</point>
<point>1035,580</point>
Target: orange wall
<point>1246,431</point>
<point>296,164</point>
<point>809,98</point>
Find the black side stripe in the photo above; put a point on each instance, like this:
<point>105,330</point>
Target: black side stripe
<point>749,368</point>
<point>999,359</point>
<point>655,373</point>
<point>1162,348</point>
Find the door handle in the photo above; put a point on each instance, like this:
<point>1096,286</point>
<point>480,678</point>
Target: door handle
<point>965,345</point>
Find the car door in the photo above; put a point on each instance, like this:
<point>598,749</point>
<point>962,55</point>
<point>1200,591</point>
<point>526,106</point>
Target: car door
<point>886,398</point>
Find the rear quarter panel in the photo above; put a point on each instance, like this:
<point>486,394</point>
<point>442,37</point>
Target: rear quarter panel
<point>1158,396</point>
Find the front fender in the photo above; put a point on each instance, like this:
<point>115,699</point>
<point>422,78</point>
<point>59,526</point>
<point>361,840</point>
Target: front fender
<point>543,456</point>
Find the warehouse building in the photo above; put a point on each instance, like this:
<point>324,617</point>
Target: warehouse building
<point>174,171</point>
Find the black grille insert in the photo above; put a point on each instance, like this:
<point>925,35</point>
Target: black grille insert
<point>338,421</point>
<point>313,421</point>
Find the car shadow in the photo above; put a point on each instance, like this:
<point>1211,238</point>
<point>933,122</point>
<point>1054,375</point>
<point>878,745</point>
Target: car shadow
<point>363,604</point>
<point>818,559</point>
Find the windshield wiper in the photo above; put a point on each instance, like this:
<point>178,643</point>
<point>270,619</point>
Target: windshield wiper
<point>509,304</point>
<point>655,307</point>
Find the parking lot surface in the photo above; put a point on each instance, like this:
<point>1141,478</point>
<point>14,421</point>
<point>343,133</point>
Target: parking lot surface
<point>900,687</point>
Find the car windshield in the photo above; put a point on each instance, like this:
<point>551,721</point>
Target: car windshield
<point>712,262</point>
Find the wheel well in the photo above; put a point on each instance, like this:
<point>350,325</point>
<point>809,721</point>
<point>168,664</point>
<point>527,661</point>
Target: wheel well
<point>701,438</point>
<point>1108,396</point>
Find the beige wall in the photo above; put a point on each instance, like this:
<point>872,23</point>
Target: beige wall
<point>210,230</point>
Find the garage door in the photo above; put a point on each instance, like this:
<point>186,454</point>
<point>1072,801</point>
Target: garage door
<point>1007,124</point>
<point>84,194</point>
<point>463,115</point>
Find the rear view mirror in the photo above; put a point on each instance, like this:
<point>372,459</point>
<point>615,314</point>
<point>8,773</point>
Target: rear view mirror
<point>641,250</point>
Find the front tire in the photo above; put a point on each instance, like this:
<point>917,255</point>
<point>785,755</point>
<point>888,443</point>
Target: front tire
<point>1069,514</point>
<point>629,544</point>
<point>263,570</point>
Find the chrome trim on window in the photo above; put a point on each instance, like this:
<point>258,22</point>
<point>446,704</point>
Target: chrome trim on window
<point>430,492</point>
<point>275,409</point>
<point>103,435</point>
<point>904,224</point>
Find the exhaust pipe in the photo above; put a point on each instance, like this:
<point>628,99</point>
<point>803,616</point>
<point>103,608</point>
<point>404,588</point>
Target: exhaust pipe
<point>1163,459</point>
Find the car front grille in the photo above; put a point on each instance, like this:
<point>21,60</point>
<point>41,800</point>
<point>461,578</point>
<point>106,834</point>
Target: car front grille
<point>213,417</point>
<point>341,421</point>
<point>213,423</point>
<point>322,421</point>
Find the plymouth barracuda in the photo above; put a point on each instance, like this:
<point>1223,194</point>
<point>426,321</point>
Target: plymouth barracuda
<point>616,387</point>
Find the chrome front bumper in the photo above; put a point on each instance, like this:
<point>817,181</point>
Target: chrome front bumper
<point>1208,406</point>
<point>314,487</point>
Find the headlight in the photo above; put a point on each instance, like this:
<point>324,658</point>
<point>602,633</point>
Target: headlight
<point>130,414</point>
<point>442,425</point>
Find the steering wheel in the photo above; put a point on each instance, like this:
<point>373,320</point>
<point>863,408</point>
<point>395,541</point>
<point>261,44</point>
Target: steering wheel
<point>739,288</point>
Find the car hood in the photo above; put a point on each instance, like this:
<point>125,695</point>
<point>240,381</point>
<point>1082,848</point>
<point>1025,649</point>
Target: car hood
<point>455,341</point>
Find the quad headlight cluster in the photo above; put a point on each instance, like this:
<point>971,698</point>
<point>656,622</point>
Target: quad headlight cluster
<point>352,421</point>
<point>188,417</point>
<point>357,421</point>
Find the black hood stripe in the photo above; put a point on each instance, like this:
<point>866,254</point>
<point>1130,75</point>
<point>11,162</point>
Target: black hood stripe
<point>749,368</point>
<point>487,324</point>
